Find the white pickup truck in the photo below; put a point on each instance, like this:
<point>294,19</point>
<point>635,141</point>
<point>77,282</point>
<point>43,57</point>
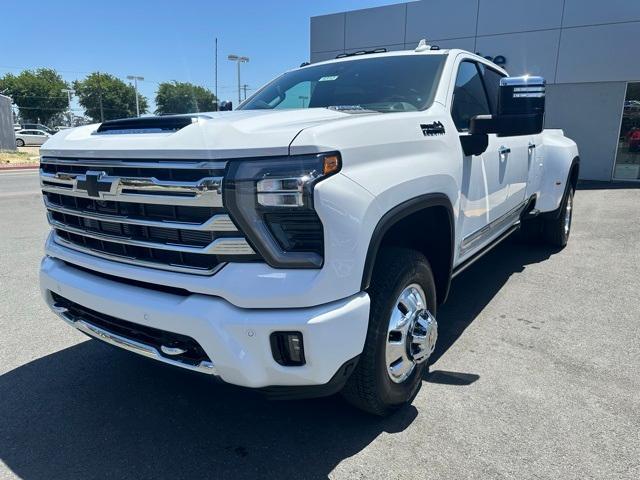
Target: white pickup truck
<point>301,244</point>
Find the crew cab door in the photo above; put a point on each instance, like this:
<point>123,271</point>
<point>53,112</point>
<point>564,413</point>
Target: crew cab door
<point>492,183</point>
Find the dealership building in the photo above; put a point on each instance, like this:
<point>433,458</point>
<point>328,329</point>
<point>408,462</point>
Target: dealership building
<point>588,51</point>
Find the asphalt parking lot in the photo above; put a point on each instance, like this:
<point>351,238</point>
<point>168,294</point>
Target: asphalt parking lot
<point>537,376</point>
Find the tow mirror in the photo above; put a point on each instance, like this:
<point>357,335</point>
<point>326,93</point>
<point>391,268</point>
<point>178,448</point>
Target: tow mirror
<point>520,109</point>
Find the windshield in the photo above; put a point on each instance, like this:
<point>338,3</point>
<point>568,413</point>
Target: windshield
<point>384,84</point>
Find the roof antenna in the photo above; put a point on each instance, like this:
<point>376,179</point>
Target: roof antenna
<point>422,46</point>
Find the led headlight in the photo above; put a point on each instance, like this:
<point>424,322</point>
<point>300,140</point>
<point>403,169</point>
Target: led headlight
<point>271,200</point>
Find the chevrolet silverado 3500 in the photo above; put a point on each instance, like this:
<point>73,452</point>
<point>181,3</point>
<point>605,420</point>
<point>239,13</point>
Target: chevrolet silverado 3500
<point>301,244</point>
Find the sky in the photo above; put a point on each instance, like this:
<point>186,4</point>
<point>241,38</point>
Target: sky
<point>163,40</point>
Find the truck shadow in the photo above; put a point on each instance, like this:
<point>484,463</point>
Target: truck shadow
<point>91,411</point>
<point>474,288</point>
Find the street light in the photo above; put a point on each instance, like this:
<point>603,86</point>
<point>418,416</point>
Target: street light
<point>135,86</point>
<point>238,60</point>
<point>69,92</point>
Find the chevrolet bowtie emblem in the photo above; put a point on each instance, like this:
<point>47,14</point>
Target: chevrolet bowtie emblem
<point>94,183</point>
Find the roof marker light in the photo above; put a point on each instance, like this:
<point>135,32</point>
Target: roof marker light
<point>422,46</point>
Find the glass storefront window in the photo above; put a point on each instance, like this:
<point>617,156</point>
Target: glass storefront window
<point>628,156</point>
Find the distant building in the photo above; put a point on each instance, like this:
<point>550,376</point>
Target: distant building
<point>586,49</point>
<point>7,135</point>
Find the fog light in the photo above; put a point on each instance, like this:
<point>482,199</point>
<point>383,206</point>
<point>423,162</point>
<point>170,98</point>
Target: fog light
<point>287,348</point>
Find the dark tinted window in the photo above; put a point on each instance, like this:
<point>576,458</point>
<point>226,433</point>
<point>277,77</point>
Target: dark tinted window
<point>469,98</point>
<point>385,84</point>
<point>492,82</point>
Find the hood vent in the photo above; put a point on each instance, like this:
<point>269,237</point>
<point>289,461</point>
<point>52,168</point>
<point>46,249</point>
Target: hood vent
<point>147,124</point>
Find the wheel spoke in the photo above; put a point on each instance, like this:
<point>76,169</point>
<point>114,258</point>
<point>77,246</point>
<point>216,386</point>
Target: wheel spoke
<point>401,368</point>
<point>398,321</point>
<point>394,352</point>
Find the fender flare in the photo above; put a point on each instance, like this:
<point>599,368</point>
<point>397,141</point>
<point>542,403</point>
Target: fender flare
<point>398,213</point>
<point>575,166</point>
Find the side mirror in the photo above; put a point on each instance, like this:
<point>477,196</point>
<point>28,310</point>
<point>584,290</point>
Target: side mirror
<point>520,109</point>
<point>225,106</point>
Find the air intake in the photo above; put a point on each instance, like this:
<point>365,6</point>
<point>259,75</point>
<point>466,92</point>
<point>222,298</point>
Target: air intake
<point>171,123</point>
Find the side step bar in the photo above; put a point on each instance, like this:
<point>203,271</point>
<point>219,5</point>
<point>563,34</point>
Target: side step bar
<point>470,261</point>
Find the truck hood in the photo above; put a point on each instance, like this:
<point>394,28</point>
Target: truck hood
<point>215,135</point>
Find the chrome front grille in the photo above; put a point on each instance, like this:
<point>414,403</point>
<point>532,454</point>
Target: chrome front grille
<point>161,214</point>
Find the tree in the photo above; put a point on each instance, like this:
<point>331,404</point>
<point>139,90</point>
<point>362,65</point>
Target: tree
<point>183,97</point>
<point>105,97</point>
<point>37,93</point>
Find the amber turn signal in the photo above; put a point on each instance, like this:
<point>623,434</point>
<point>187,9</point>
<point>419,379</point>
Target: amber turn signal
<point>331,164</point>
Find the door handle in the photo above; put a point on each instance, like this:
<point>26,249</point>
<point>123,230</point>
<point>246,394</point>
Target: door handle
<point>532,147</point>
<point>504,152</point>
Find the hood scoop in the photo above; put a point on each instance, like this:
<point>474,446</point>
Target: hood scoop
<point>171,123</point>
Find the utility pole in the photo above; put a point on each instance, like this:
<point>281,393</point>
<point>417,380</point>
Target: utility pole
<point>69,92</point>
<point>216,78</point>
<point>238,60</point>
<point>100,99</point>
<point>244,89</point>
<point>135,86</point>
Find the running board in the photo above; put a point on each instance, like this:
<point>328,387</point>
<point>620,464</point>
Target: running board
<point>470,261</point>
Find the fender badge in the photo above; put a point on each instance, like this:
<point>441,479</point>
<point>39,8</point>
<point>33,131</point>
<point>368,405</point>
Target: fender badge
<point>434,128</point>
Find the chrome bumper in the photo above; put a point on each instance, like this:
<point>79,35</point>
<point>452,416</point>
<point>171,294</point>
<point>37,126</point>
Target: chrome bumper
<point>126,343</point>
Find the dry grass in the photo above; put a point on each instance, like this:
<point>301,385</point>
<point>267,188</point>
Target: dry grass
<point>24,156</point>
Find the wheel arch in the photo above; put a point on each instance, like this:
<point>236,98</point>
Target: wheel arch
<point>431,209</point>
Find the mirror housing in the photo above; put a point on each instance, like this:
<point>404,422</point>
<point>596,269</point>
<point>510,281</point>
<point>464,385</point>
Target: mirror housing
<point>521,104</point>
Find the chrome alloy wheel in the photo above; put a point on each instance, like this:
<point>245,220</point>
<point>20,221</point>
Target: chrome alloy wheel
<point>567,214</point>
<point>411,334</point>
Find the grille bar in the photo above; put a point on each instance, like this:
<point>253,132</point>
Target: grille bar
<point>217,223</point>
<point>131,260</point>
<point>207,191</point>
<point>111,163</point>
<point>220,246</point>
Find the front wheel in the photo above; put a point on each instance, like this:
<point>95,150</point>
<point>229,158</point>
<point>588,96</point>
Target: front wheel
<point>401,336</point>
<point>19,142</point>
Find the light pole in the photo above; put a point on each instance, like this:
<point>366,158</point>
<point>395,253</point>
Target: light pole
<point>69,92</point>
<point>135,86</point>
<point>238,60</point>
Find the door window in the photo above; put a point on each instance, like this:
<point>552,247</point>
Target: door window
<point>469,97</point>
<point>492,83</point>
<point>628,156</point>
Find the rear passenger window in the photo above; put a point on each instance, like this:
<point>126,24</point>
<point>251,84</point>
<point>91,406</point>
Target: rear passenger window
<point>469,98</point>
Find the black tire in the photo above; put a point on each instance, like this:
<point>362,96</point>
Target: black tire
<point>19,142</point>
<point>370,388</point>
<point>556,229</point>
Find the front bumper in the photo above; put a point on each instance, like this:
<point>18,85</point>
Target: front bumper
<point>235,339</point>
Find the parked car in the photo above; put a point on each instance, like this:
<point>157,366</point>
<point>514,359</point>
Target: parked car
<point>37,126</point>
<point>31,137</point>
<point>303,248</point>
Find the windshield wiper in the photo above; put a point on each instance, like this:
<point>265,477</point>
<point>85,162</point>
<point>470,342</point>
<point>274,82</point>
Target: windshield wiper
<point>350,109</point>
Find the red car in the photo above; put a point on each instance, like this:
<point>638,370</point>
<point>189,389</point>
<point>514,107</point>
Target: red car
<point>633,138</point>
